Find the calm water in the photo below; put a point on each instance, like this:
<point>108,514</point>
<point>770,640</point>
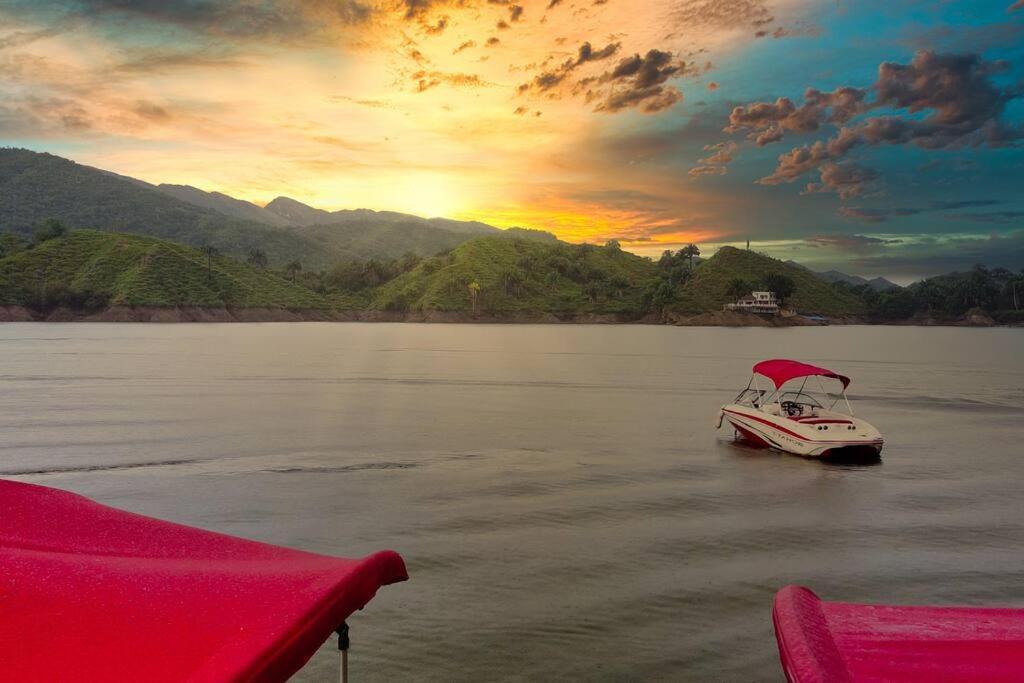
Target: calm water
<point>564,504</point>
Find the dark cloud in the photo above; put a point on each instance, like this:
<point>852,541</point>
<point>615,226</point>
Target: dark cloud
<point>923,258</point>
<point>554,3</point>
<point>151,111</point>
<point>493,42</point>
<point>639,82</point>
<point>949,101</point>
<point>464,46</point>
<point>546,80</point>
<point>767,121</point>
<point>880,215</point>
<point>415,9</point>
<point>855,243</point>
<point>847,179</point>
<point>998,217</point>
<point>515,13</point>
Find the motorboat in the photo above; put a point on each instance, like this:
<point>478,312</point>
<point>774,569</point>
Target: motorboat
<point>778,410</point>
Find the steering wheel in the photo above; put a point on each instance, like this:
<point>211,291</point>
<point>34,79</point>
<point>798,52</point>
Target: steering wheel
<point>792,408</point>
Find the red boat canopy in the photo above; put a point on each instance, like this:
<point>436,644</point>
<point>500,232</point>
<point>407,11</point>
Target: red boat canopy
<point>839,642</point>
<point>781,371</point>
<point>91,593</point>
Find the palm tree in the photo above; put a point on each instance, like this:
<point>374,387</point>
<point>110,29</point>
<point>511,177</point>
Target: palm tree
<point>257,258</point>
<point>474,294</point>
<point>210,252</point>
<point>738,288</point>
<point>665,262</point>
<point>781,284</point>
<point>293,269</point>
<point>689,251</point>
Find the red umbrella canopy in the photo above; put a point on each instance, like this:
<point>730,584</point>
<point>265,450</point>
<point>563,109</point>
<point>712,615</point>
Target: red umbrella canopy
<point>92,593</point>
<point>780,371</point>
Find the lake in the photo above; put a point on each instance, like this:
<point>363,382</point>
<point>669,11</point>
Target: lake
<point>565,506</point>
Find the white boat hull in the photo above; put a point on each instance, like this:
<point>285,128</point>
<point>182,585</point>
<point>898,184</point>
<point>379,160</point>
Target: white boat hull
<point>822,435</point>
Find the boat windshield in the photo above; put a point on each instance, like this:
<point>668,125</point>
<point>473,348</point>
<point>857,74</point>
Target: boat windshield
<point>794,397</point>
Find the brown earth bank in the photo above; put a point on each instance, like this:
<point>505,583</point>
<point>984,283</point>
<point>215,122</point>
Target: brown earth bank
<point>194,314</point>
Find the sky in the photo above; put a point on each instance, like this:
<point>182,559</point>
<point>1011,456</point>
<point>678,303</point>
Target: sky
<point>882,138</point>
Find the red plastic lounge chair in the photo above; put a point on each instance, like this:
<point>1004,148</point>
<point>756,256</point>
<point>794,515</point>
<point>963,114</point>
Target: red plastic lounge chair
<point>836,642</point>
<point>91,593</point>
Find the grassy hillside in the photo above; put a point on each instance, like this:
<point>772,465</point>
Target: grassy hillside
<point>87,269</point>
<point>523,275</point>
<point>708,288</point>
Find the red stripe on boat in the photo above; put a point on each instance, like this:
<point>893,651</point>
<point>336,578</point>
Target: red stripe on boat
<point>750,436</point>
<point>91,593</point>
<point>794,434</point>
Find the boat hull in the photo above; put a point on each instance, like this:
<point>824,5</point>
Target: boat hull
<point>822,437</point>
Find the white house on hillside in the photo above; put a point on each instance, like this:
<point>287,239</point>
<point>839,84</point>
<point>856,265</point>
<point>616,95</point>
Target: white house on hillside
<point>757,302</point>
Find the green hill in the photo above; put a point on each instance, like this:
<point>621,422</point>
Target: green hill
<point>92,270</point>
<point>523,275</point>
<point>708,288</point>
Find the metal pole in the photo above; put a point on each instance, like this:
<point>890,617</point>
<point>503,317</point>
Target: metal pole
<point>343,649</point>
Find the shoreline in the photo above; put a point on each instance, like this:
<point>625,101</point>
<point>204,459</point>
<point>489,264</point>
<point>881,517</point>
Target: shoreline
<point>200,314</point>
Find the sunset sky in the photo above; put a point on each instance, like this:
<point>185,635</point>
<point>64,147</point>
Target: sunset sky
<point>878,137</point>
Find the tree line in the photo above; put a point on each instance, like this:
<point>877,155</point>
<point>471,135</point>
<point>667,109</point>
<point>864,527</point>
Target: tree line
<point>997,291</point>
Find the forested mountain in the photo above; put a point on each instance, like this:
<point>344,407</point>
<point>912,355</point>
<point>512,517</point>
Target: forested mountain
<point>36,187</point>
<point>879,284</point>
<point>229,206</point>
<point>297,213</point>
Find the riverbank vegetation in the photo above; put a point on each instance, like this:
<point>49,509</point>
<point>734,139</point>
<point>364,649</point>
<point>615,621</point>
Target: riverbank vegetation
<point>82,272</point>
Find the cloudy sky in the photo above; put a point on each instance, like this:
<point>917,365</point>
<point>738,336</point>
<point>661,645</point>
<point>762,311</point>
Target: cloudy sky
<point>879,137</point>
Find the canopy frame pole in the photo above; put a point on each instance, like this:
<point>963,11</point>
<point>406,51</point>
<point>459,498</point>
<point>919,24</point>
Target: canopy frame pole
<point>827,395</point>
<point>343,644</point>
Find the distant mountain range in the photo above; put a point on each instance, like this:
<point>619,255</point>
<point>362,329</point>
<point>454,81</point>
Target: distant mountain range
<point>879,284</point>
<point>35,187</point>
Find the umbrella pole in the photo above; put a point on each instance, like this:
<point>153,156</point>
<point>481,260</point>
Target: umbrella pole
<point>343,649</point>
